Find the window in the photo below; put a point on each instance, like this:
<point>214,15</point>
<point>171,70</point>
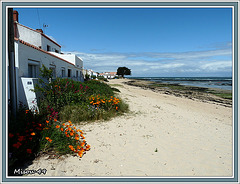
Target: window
<point>57,51</point>
<point>32,71</point>
<point>77,74</point>
<point>53,71</point>
<point>69,72</point>
<point>48,48</point>
<point>63,72</point>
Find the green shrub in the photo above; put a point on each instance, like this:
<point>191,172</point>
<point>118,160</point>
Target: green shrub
<point>98,88</point>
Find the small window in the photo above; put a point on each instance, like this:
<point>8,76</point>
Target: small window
<point>32,71</point>
<point>63,72</point>
<point>69,72</point>
<point>77,74</point>
<point>48,48</point>
<point>53,71</point>
<point>57,51</point>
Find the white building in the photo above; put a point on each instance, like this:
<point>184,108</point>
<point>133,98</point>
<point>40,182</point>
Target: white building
<point>34,49</point>
<point>108,75</point>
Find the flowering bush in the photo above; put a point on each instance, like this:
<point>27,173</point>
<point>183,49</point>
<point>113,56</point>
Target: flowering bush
<point>61,92</point>
<point>58,136</point>
<point>33,133</point>
<point>98,102</point>
<point>23,136</point>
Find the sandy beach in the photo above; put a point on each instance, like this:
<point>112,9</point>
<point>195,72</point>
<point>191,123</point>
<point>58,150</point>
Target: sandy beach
<point>162,135</point>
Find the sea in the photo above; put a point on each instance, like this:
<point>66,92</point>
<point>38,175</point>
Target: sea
<point>207,82</point>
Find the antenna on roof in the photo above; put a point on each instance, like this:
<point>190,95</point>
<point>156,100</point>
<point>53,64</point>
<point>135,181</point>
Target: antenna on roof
<point>44,27</point>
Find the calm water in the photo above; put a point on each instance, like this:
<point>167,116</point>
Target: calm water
<point>208,82</point>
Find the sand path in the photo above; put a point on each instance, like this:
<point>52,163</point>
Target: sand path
<point>162,136</point>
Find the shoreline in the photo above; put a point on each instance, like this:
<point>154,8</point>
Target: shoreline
<point>191,92</point>
<point>162,136</point>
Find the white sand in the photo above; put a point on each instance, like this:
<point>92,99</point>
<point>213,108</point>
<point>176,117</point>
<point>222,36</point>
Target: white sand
<point>162,136</point>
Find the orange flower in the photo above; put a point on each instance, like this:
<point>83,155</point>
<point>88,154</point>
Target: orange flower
<point>67,135</point>
<point>77,138</point>
<point>47,138</point>
<point>57,126</point>
<point>116,108</point>
<point>70,146</point>
<point>80,154</point>
<point>50,140</point>
<point>10,135</point>
<point>71,134</point>
<point>29,151</point>
<point>69,129</point>
<point>88,147</point>
<point>33,133</point>
<point>55,120</point>
<point>63,124</point>
<point>82,144</point>
<point>61,129</point>
<point>47,121</point>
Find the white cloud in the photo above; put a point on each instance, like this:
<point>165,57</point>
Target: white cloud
<point>157,63</point>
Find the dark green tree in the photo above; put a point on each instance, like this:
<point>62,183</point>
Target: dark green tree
<point>123,71</point>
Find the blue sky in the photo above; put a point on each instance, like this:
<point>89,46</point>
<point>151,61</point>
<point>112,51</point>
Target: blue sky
<point>152,42</point>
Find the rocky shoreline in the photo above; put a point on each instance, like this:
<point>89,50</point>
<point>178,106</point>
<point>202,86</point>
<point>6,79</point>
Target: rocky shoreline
<point>195,93</point>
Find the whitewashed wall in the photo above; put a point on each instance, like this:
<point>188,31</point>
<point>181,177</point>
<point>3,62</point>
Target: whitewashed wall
<point>25,55</point>
<point>29,35</point>
<point>46,42</point>
<point>35,38</point>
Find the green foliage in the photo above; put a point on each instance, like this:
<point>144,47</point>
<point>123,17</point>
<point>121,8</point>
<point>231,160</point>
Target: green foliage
<point>98,88</point>
<point>100,78</point>
<point>123,71</point>
<point>62,99</point>
<point>87,77</point>
<point>24,134</point>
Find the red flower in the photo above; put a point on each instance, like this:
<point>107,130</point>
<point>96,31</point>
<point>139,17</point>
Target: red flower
<point>17,145</point>
<point>29,151</point>
<point>21,138</point>
<point>10,135</point>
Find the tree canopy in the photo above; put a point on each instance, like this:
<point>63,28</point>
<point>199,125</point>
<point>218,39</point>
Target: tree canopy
<point>123,71</point>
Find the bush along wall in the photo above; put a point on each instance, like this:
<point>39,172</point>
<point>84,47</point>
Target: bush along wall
<point>51,129</point>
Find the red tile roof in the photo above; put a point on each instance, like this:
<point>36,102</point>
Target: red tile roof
<point>41,34</point>
<point>37,48</point>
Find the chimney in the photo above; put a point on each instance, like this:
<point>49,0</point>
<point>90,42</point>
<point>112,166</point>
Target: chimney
<point>15,16</point>
<point>39,30</point>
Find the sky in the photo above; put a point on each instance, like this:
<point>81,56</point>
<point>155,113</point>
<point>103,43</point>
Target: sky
<point>152,42</point>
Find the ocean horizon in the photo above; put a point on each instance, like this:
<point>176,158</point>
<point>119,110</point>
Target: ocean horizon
<point>207,82</point>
